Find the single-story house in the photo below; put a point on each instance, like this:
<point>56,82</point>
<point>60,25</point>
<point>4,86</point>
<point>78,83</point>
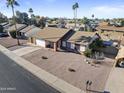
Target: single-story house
<point>25,30</point>
<point>78,42</point>
<point>32,32</point>
<point>19,28</point>
<point>79,27</point>
<point>49,37</point>
<point>111,28</point>
<point>4,24</point>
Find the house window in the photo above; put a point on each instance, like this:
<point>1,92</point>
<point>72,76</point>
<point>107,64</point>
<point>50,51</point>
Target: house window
<point>72,46</point>
<point>64,44</point>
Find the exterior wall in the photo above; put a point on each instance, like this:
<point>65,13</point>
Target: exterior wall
<point>40,42</point>
<point>109,50</point>
<point>49,44</point>
<point>72,47</point>
<point>32,40</point>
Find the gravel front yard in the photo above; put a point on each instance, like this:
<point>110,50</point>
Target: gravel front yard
<point>58,64</point>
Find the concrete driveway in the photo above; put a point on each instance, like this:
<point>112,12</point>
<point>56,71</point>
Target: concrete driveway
<point>58,64</point>
<point>10,42</point>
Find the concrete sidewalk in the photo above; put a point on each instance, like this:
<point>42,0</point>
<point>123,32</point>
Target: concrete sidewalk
<point>25,50</point>
<point>50,79</point>
<point>115,83</point>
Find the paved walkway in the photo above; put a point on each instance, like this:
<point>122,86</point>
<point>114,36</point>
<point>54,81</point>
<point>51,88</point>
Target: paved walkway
<point>115,82</point>
<point>25,50</point>
<point>50,79</point>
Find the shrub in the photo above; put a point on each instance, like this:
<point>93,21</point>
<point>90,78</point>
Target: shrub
<point>13,34</point>
<point>98,43</point>
<point>88,52</point>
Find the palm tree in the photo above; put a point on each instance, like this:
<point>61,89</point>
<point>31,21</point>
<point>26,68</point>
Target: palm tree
<point>93,16</point>
<point>13,3</point>
<point>74,7</point>
<point>30,11</point>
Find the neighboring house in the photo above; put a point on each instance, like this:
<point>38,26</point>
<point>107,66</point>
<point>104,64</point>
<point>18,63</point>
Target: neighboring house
<point>79,27</point>
<point>111,28</point>
<point>25,30</point>
<point>19,28</point>
<point>51,25</point>
<point>78,42</point>
<point>49,37</point>
<point>3,24</point>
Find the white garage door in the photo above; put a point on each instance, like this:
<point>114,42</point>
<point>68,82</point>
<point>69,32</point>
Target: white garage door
<point>82,48</point>
<point>40,42</point>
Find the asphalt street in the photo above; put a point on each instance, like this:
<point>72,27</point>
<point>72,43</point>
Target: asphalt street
<point>15,79</point>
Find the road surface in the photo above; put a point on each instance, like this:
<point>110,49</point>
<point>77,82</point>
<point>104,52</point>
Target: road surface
<point>15,79</point>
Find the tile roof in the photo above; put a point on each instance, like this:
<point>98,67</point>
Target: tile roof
<point>51,34</point>
<point>26,29</point>
<point>32,32</point>
<point>111,28</point>
<point>81,37</point>
<point>19,27</point>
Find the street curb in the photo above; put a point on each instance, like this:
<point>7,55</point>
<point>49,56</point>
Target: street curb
<point>45,76</point>
<point>112,69</point>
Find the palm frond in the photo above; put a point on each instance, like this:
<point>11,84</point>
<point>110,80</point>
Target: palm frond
<point>16,3</point>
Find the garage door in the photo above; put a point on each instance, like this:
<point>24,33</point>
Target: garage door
<point>82,48</point>
<point>40,43</point>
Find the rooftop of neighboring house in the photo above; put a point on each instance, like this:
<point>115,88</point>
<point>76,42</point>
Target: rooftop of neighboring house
<point>81,37</point>
<point>73,24</point>
<point>51,34</point>
<point>26,29</point>
<point>19,27</point>
<point>111,28</point>
<point>52,25</point>
<point>32,32</point>
<point>115,36</point>
<point>5,23</point>
<point>103,23</point>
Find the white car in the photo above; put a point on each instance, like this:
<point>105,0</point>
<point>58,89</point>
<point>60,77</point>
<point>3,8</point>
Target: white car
<point>121,64</point>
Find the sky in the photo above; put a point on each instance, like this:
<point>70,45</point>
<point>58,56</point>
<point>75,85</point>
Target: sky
<point>63,8</point>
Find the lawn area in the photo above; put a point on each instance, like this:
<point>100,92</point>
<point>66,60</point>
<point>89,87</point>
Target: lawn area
<point>58,64</point>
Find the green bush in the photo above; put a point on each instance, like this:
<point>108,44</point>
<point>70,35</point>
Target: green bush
<point>88,52</point>
<point>13,34</point>
<point>98,43</point>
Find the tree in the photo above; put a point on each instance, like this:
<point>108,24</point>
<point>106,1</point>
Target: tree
<point>85,20</point>
<point>74,7</point>
<point>40,22</point>
<point>3,18</point>
<point>13,3</point>
<point>122,22</point>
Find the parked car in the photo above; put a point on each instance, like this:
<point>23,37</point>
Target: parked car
<point>121,63</point>
<point>3,34</point>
